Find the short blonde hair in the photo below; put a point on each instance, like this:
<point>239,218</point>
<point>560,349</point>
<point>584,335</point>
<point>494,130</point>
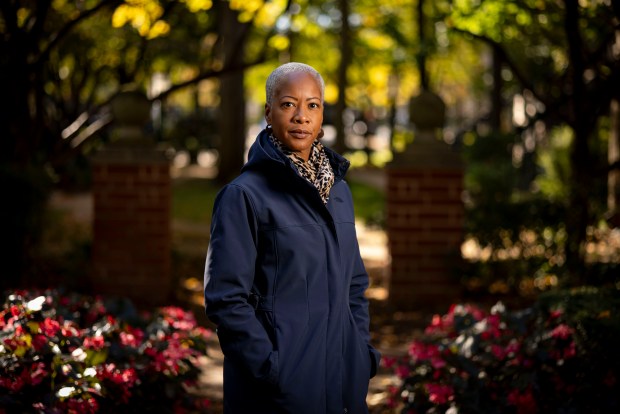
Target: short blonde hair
<point>278,75</point>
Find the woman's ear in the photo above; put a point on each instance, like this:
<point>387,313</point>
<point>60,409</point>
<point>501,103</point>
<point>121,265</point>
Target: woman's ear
<point>267,114</point>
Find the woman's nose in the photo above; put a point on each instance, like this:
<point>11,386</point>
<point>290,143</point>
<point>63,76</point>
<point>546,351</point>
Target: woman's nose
<point>300,116</point>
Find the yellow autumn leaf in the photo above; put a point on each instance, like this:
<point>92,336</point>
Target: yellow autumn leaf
<point>142,15</point>
<point>250,6</point>
<point>160,28</point>
<point>33,326</point>
<point>198,5</point>
<point>279,42</point>
<point>268,14</point>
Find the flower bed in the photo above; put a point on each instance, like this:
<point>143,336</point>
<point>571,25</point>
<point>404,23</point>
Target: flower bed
<point>559,356</point>
<point>78,354</point>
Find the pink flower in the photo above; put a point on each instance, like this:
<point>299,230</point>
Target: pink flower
<point>132,338</point>
<point>498,351</point>
<point>95,342</point>
<point>178,318</point>
<point>204,333</point>
<point>37,373</point>
<point>562,331</point>
<point>439,393</point>
<point>437,362</point>
<point>556,313</point>
<point>513,347</point>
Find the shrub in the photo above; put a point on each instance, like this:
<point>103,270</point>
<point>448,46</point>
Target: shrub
<point>79,354</point>
<point>559,356</point>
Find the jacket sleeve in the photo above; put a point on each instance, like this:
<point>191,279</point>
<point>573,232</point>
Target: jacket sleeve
<point>229,275</point>
<point>359,307</point>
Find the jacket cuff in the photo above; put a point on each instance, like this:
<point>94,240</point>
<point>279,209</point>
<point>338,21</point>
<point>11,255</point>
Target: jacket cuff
<point>375,360</point>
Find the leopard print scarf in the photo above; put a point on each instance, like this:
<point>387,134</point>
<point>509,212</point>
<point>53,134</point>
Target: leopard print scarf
<point>318,171</point>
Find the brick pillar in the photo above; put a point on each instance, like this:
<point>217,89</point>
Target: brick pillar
<point>132,199</point>
<point>425,217</point>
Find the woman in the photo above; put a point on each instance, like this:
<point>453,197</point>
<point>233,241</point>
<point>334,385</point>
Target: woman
<point>284,280</point>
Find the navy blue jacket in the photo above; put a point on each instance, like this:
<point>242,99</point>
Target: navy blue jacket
<point>285,283</point>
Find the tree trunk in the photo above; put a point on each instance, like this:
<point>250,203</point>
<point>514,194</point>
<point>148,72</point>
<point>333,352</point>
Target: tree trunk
<point>232,96</point>
<point>613,155</point>
<point>577,218</point>
<point>346,54</point>
<point>495,118</point>
<point>22,171</point>
<point>421,58</point>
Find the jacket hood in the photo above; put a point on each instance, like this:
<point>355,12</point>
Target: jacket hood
<point>264,152</point>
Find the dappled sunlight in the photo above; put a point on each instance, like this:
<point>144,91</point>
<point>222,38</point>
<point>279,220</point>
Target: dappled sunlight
<point>603,245</point>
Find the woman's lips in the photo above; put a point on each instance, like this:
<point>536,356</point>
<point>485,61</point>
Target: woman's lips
<point>299,133</point>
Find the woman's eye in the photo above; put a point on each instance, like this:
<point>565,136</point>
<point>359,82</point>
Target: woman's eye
<point>287,104</point>
<point>314,105</point>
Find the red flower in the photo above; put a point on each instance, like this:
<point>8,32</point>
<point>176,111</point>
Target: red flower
<point>37,373</point>
<point>498,351</point>
<point>570,351</point>
<point>39,342</point>
<point>421,351</point>
<point>402,371</point>
<point>439,393</point>
<point>50,327</point>
<point>69,329</point>
<point>82,406</point>
<point>95,342</point>
<point>523,401</point>
<point>16,382</point>
<point>388,362</point>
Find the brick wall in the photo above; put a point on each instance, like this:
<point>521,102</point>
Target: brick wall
<point>131,234</point>
<point>425,231</point>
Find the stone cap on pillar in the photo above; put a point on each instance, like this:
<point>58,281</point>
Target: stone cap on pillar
<point>427,113</point>
<point>131,111</point>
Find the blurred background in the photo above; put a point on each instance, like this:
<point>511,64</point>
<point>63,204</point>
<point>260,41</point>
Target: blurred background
<point>525,93</point>
<point>530,90</point>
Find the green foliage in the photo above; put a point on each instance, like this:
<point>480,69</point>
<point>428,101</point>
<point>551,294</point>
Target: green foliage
<point>554,161</point>
<point>369,203</point>
<point>528,225</point>
<point>192,199</point>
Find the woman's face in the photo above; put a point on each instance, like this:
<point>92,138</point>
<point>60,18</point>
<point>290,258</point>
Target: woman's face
<point>296,112</point>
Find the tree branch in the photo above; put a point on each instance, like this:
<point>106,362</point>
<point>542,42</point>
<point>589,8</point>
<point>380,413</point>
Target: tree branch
<point>208,74</point>
<point>66,29</point>
<point>525,82</point>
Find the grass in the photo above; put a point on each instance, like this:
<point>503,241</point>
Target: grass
<point>192,201</point>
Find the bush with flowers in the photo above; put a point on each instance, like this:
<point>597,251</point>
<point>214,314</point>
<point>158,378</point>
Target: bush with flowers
<point>72,353</point>
<point>559,356</point>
